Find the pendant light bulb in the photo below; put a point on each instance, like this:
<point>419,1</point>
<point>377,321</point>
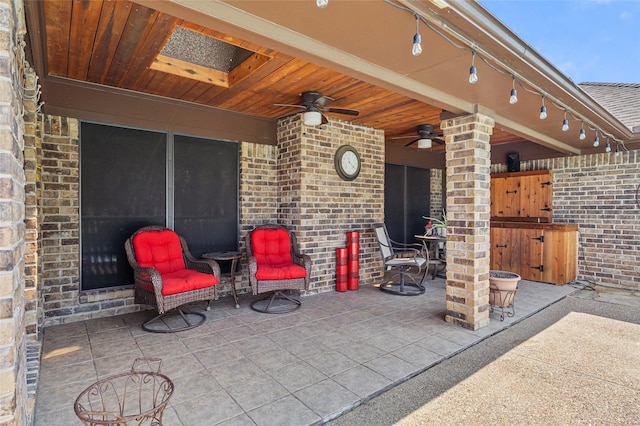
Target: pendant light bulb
<point>416,50</point>
<point>473,72</point>
<point>543,110</point>
<point>565,125</point>
<point>583,134</point>
<point>596,141</point>
<point>608,147</point>
<point>322,3</point>
<point>617,150</point>
<point>513,99</point>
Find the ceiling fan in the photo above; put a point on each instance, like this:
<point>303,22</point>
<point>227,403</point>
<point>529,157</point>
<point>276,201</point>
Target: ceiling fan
<point>313,103</point>
<point>425,137</point>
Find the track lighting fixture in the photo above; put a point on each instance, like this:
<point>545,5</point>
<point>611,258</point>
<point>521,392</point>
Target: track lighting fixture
<point>322,3</point>
<point>513,99</point>
<point>543,110</point>
<point>416,50</point>
<point>596,141</point>
<point>473,72</point>
<point>565,122</point>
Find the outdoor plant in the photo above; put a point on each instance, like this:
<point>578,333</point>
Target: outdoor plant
<point>433,224</point>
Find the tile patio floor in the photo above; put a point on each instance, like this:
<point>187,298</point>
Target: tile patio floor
<point>244,368</point>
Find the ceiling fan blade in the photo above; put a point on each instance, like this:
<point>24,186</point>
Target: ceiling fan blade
<point>342,111</point>
<point>290,105</point>
<point>402,137</point>
<point>438,140</point>
<point>324,119</point>
<point>322,101</point>
<point>412,142</point>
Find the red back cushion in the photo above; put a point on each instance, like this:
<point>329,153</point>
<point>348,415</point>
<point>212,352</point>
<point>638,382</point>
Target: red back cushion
<point>160,250</point>
<point>271,247</point>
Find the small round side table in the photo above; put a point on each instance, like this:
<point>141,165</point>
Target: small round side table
<point>232,256</point>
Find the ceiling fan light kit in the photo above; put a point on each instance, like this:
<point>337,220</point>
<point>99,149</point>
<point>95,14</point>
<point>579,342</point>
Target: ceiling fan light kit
<point>312,118</point>
<point>424,143</point>
<point>313,103</point>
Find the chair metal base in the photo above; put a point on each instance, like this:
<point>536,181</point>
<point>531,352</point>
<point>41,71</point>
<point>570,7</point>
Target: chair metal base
<point>276,303</point>
<point>402,287</point>
<point>169,321</point>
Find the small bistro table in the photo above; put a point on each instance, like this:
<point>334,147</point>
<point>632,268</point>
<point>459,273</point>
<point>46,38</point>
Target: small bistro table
<point>435,241</point>
<point>233,257</point>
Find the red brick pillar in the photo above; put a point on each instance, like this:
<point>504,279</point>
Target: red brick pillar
<point>468,163</point>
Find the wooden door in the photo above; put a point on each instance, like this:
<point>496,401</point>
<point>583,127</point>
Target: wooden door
<point>505,201</point>
<point>505,249</point>
<point>530,254</point>
<point>535,196</point>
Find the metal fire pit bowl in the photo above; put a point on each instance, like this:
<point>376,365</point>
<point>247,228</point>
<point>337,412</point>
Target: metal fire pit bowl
<point>136,397</point>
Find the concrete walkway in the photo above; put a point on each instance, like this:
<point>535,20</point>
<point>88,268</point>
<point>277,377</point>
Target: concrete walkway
<point>575,362</point>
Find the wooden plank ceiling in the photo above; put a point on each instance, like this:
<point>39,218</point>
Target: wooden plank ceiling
<point>115,43</point>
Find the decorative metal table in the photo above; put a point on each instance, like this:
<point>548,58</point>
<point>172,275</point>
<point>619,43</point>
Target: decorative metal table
<point>233,257</point>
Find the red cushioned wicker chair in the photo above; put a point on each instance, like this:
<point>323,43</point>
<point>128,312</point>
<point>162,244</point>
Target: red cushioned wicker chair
<point>276,265</point>
<point>167,276</point>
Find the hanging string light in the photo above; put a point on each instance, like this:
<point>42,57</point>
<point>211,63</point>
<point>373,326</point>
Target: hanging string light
<point>416,50</point>
<point>500,68</point>
<point>473,72</point>
<point>565,122</point>
<point>617,150</point>
<point>543,110</point>
<point>322,3</point>
<point>607,148</point>
<point>513,98</point>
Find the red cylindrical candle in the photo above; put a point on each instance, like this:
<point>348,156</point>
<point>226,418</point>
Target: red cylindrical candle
<point>341,269</point>
<point>353,248</point>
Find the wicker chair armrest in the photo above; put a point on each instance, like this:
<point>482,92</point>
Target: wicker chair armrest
<point>149,274</point>
<point>304,260</point>
<point>252,263</point>
<point>206,266</point>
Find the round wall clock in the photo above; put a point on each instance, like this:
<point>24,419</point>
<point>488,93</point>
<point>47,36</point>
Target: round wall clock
<point>347,161</point>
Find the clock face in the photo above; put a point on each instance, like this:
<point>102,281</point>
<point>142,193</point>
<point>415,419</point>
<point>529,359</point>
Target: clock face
<point>347,162</point>
<point>350,163</point>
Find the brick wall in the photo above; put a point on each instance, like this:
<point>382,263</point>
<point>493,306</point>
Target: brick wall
<point>14,407</point>
<point>319,206</point>
<point>598,192</point>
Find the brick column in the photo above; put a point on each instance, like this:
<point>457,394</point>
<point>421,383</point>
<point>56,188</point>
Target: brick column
<point>13,366</point>
<point>468,164</point>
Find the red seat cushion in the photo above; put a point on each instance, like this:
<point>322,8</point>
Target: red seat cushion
<point>160,250</point>
<point>286,272</point>
<point>182,281</point>
<point>272,251</point>
<point>271,247</point>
